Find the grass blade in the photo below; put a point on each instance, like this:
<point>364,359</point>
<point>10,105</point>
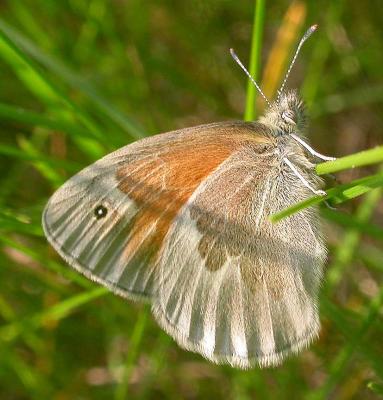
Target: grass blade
<point>349,221</point>
<point>72,79</point>
<point>346,250</point>
<point>11,151</point>
<point>27,117</point>
<point>135,341</point>
<point>255,58</point>
<point>337,195</point>
<point>49,94</point>
<point>360,159</point>
<point>58,311</point>
<point>338,368</point>
<point>376,388</point>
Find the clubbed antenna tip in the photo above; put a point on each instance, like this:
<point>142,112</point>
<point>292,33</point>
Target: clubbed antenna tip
<point>309,31</point>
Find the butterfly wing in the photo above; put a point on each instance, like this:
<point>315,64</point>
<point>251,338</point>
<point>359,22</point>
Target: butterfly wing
<point>186,226</point>
<point>141,188</point>
<point>232,286</point>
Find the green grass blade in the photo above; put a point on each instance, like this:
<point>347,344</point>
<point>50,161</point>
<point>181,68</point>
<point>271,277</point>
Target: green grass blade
<point>371,256</point>
<point>48,263</point>
<point>42,166</point>
<point>338,368</point>
<point>32,79</point>
<point>349,221</point>
<point>135,342</point>
<point>28,376</point>
<point>58,311</point>
<point>49,94</point>
<point>72,79</point>
<point>348,323</point>
<point>346,249</point>
<point>337,195</point>
<point>376,387</point>
<point>12,222</point>
<point>18,114</point>
<point>344,192</point>
<point>14,152</point>
<point>367,157</point>
<point>255,58</point>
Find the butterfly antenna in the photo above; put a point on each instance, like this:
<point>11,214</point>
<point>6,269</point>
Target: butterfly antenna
<point>308,33</point>
<point>238,61</point>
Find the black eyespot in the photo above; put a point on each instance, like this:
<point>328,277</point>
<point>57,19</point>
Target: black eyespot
<point>100,211</point>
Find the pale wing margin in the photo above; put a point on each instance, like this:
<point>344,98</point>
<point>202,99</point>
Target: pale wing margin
<point>232,286</point>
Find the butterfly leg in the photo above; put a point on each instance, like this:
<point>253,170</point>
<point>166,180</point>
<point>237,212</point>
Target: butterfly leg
<point>329,206</point>
<point>310,149</point>
<point>303,180</point>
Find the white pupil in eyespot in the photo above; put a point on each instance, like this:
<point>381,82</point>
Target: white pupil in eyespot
<point>100,212</point>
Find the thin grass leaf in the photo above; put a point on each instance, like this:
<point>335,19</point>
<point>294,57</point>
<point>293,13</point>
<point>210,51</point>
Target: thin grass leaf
<point>19,224</point>
<point>43,167</point>
<point>35,157</point>
<point>346,322</point>
<point>349,221</point>
<point>344,192</point>
<point>32,79</point>
<point>36,255</point>
<point>338,368</point>
<point>35,119</point>
<point>48,93</point>
<point>28,375</point>
<point>371,256</point>
<point>255,58</point>
<point>55,313</point>
<point>72,79</point>
<point>337,195</point>
<point>367,157</point>
<point>346,249</point>
<point>376,387</point>
<point>121,392</point>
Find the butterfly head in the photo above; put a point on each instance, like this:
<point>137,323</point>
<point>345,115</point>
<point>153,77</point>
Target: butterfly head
<point>287,114</point>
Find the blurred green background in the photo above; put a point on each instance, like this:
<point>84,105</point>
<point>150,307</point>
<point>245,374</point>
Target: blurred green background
<point>81,78</point>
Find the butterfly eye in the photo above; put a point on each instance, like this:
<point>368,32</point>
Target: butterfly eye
<point>289,117</point>
<point>100,211</point>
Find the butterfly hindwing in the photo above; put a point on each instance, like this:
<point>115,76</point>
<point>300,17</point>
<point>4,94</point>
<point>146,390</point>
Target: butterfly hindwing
<point>233,286</point>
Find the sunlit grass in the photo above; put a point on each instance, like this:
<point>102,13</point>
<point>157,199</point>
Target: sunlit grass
<point>255,59</point>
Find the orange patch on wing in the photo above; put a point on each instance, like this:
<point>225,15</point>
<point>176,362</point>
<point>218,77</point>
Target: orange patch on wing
<point>162,185</point>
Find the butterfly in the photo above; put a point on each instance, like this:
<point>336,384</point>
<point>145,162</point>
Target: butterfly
<point>180,220</point>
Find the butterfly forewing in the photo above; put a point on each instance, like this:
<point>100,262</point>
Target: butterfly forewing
<point>142,187</point>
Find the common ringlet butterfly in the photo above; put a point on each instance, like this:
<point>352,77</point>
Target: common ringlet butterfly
<point>181,220</point>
